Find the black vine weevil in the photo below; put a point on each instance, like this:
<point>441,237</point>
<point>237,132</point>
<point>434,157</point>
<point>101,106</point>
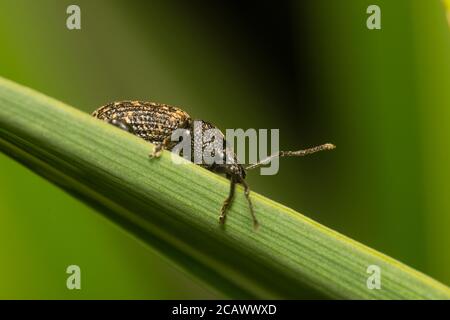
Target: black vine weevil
<point>155,123</point>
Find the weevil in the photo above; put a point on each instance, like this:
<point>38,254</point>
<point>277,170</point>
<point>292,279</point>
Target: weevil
<point>155,122</point>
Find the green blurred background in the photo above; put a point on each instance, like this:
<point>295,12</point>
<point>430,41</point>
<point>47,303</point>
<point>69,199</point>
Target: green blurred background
<point>310,68</point>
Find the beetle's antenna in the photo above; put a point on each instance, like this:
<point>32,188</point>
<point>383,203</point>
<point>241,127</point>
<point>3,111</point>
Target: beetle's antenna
<point>299,153</point>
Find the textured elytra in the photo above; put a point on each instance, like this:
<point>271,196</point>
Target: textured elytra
<point>148,120</point>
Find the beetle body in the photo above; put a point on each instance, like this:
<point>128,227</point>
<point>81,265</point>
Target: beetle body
<point>155,123</point>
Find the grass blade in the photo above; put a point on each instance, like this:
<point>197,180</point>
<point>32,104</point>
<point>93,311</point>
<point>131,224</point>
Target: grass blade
<point>174,208</point>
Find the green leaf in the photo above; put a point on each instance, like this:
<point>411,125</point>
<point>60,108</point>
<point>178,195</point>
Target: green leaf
<point>174,208</point>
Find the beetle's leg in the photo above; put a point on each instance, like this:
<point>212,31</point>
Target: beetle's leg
<point>120,124</point>
<point>250,205</point>
<point>167,143</point>
<point>158,149</point>
<point>227,202</point>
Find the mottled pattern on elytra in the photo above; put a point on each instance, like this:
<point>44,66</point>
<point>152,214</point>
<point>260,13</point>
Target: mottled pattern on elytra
<point>148,120</point>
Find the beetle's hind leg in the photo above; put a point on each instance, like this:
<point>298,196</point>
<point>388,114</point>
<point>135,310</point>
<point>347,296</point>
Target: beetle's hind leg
<point>167,143</point>
<point>227,203</point>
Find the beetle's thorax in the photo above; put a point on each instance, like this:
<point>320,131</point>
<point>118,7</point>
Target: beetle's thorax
<point>203,137</point>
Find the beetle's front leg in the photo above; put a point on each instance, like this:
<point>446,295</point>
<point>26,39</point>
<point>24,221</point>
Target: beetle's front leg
<point>250,205</point>
<point>227,202</point>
